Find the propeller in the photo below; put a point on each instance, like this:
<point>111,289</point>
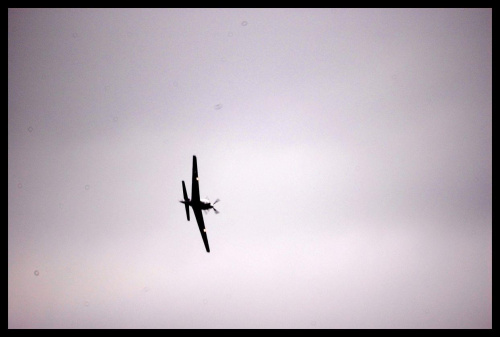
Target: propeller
<point>215,210</point>
<point>211,206</point>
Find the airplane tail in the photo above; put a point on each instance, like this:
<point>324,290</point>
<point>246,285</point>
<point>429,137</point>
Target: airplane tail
<point>186,199</point>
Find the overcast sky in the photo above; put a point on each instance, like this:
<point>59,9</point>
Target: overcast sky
<point>351,151</point>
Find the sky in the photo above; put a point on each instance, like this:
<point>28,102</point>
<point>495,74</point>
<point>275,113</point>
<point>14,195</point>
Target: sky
<point>351,150</point>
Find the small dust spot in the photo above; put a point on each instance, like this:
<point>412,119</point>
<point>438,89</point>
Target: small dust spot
<point>244,23</point>
<point>115,119</point>
<point>86,303</point>
<point>19,185</point>
<point>205,301</point>
<point>218,106</point>
<point>87,187</point>
<point>230,34</point>
<point>30,129</point>
<point>313,323</point>
<point>145,289</point>
<point>75,35</point>
<point>36,273</point>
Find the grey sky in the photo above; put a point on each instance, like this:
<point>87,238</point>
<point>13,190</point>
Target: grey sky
<point>351,151</point>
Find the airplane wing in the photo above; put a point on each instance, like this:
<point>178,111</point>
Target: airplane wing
<point>201,226</point>
<point>195,186</point>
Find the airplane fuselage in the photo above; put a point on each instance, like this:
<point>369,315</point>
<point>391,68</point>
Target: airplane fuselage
<point>202,204</point>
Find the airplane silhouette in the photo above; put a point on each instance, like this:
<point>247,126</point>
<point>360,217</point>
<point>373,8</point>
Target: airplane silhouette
<point>198,204</point>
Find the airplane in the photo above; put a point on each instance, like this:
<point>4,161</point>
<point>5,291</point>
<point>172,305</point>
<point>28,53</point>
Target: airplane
<point>198,204</point>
